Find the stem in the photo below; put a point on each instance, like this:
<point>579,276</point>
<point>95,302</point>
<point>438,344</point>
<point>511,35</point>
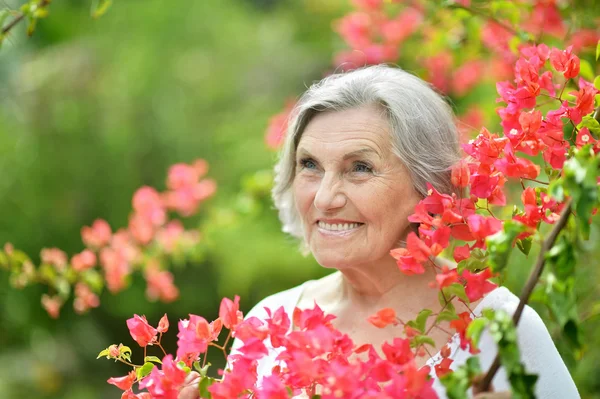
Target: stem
<point>487,16</point>
<point>20,16</point>
<point>161,348</point>
<point>127,363</point>
<point>484,384</point>
<point>537,181</point>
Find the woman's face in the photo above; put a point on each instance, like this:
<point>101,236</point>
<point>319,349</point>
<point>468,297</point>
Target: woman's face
<point>353,194</point>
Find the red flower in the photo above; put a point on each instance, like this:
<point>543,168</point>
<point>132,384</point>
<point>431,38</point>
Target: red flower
<point>383,318</point>
<point>163,324</point>
<point>565,62</point>
<point>123,383</point>
<point>229,312</point>
<point>142,332</point>
<point>443,367</point>
<point>477,284</point>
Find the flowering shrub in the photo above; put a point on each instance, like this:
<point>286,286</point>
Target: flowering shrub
<point>147,244</point>
<point>320,361</point>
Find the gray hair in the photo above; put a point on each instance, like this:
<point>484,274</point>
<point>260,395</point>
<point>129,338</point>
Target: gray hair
<point>423,129</point>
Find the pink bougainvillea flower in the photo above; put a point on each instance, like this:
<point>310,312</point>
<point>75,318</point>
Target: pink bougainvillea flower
<point>460,174</point>
<point>406,262</point>
<point>83,261</point>
<point>467,76</point>
<point>278,324</point>
<point>52,305</point>
<point>482,227</point>
<point>461,253</point>
<point>383,318</point>
<point>477,284</point>
<point>85,299</point>
<point>356,29</point>
<point>278,125</point>
<point>460,325</point>
<point>130,395</point>
<point>181,176</point>
<point>163,324</point>
<point>396,30</point>
<point>98,235</point>
<point>229,312</point>
<point>142,332</point>
<point>253,327</point>
<point>545,18</point>
<point>194,336</point>
<point>54,257</point>
<point>447,277</point>
<point>141,229</point>
<point>148,204</point>
<point>124,383</point>
<point>398,352</point>
<point>165,383</point>
<point>565,61</point>
<point>114,351</point>
<point>116,268</point>
<point>443,367</point>
<point>160,283</point>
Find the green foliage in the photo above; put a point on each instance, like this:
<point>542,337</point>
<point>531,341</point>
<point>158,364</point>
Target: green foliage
<point>504,333</point>
<point>501,244</point>
<point>458,382</point>
<point>420,322</point>
<point>145,370</point>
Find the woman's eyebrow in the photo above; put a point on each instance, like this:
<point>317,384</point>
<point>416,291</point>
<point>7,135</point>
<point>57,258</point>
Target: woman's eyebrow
<point>362,151</point>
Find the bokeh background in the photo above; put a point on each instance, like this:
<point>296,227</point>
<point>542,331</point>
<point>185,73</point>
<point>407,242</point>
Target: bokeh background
<point>90,110</point>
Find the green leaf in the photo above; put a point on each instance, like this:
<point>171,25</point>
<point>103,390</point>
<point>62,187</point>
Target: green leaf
<point>100,8</point>
<point>458,290</point>
<point>475,329</point>
<point>597,81</point>
<point>598,50</point>
<point>103,353</point>
<point>203,386</point>
<point>524,245</point>
<point>421,320</point>
<point>143,371</point>
<point>421,340</point>
<point>124,350</point>
<point>461,379</point>
<point>446,315</point>
<point>500,244</point>
<point>592,124</point>
<point>152,359</point>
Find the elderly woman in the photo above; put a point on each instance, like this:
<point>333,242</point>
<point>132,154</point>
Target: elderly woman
<point>360,148</point>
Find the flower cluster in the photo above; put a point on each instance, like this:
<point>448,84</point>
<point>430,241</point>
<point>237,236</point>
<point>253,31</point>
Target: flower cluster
<point>313,358</point>
<point>109,258</point>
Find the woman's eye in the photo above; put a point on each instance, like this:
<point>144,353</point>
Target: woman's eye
<point>362,167</point>
<point>308,164</point>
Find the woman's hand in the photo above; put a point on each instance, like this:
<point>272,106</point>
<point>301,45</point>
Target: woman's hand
<point>190,387</point>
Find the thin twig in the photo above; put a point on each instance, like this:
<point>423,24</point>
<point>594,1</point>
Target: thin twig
<point>488,16</point>
<point>485,383</point>
<point>21,15</point>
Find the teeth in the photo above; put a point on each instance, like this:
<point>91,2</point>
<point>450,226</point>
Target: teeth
<point>338,227</point>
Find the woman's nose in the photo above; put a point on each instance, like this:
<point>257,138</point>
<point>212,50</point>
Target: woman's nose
<point>329,195</point>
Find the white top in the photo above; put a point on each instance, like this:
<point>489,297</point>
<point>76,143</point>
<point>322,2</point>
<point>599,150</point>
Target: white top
<point>538,352</point>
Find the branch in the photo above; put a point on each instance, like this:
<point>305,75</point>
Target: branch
<point>488,16</point>
<point>20,16</point>
<point>485,383</point>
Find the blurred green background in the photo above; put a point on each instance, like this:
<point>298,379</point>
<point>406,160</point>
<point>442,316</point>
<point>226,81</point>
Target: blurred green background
<point>90,110</point>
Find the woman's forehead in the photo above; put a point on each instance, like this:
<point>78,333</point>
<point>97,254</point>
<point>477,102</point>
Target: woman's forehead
<point>357,129</point>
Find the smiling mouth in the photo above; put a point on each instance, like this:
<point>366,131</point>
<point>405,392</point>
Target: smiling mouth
<point>338,226</point>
